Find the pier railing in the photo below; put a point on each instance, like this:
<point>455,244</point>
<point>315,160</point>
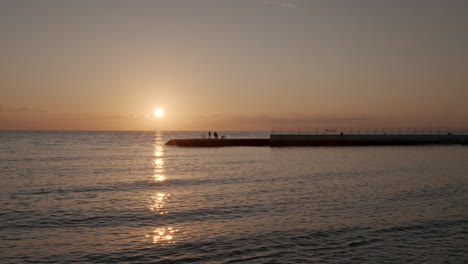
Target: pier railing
<point>369,131</point>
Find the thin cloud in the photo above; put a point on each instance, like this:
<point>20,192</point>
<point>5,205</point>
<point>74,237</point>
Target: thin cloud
<point>21,109</point>
<point>113,117</point>
<point>296,114</point>
<point>282,3</point>
<point>302,120</point>
<point>292,120</point>
<point>17,109</point>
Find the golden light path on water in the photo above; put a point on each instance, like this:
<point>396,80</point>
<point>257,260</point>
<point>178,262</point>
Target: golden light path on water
<point>160,235</point>
<point>163,235</point>
<point>158,159</point>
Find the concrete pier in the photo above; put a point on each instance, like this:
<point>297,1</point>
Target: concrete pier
<point>325,140</point>
<point>250,142</point>
<point>365,140</point>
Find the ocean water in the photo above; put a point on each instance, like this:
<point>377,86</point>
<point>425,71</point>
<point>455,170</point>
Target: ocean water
<point>124,197</point>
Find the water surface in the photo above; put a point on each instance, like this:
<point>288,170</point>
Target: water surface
<point>109,197</point>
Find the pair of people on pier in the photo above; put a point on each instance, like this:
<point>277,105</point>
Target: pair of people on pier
<point>215,135</point>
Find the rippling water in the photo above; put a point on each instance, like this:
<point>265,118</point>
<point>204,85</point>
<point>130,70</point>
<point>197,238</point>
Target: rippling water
<point>109,197</point>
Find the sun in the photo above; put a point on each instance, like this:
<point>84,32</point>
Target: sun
<point>158,112</point>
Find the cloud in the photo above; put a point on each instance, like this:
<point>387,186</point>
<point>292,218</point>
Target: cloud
<point>109,117</point>
<point>312,122</point>
<point>16,124</point>
<point>292,120</point>
<point>296,114</point>
<point>17,109</point>
<point>301,120</point>
<point>21,109</point>
<point>282,3</point>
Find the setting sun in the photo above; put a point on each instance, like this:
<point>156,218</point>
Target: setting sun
<point>158,112</point>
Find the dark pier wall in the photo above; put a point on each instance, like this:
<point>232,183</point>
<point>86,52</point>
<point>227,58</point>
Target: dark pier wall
<point>219,142</point>
<point>365,140</point>
<point>325,140</point>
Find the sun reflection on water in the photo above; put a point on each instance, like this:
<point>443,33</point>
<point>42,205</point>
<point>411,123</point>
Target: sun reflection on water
<point>158,158</point>
<point>159,163</point>
<point>159,177</point>
<point>162,235</point>
<point>158,148</point>
<point>158,202</point>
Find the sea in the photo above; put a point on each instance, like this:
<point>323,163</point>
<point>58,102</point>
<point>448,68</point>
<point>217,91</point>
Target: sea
<point>125,197</point>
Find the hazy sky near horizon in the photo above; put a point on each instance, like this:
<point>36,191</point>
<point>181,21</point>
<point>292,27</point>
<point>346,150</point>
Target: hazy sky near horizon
<point>232,65</point>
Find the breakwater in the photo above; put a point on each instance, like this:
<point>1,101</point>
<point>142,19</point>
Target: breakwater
<point>365,140</point>
<point>285,140</point>
<point>203,142</point>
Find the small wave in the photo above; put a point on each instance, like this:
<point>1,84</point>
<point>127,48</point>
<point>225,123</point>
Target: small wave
<point>364,242</point>
<point>422,226</point>
<point>116,186</point>
<point>67,219</point>
<point>428,193</point>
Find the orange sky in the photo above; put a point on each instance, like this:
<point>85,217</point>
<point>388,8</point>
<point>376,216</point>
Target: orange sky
<point>232,65</point>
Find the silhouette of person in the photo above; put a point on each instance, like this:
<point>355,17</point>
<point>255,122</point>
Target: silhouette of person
<point>209,134</point>
<point>215,135</point>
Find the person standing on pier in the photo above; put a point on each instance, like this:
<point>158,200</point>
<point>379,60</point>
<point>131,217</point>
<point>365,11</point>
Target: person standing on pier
<point>209,134</point>
<point>215,134</point>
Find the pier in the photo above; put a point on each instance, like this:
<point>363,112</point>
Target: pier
<point>365,140</point>
<point>335,137</point>
<point>203,142</point>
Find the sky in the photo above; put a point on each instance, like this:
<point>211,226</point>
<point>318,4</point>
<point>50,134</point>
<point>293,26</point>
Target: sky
<point>232,64</point>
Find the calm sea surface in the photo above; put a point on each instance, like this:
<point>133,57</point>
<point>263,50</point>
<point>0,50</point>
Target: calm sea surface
<point>124,197</point>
